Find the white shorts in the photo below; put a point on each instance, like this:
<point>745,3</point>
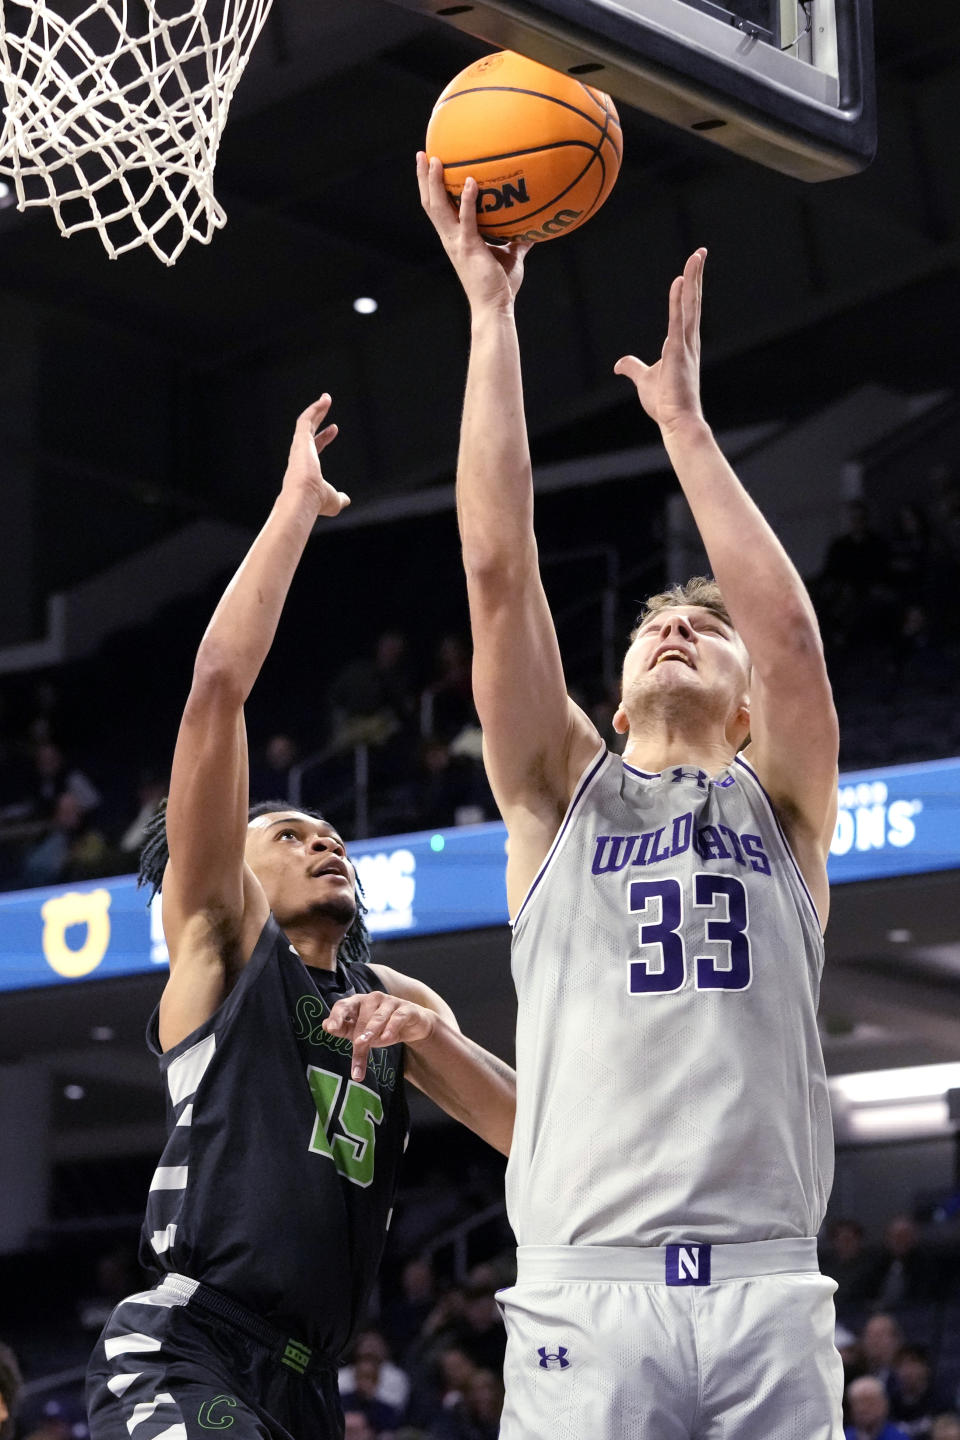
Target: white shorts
<point>691,1342</point>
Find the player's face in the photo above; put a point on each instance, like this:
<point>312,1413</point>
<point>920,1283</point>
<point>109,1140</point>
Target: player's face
<point>302,864</point>
<point>686,655</point>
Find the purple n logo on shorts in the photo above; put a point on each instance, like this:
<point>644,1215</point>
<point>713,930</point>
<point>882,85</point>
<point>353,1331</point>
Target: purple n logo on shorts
<point>687,1265</point>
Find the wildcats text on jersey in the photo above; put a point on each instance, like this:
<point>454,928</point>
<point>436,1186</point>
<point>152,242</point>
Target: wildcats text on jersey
<point>613,853</point>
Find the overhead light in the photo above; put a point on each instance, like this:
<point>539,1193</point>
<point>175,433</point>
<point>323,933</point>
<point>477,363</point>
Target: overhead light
<point>6,194</point>
<point>909,1082</point>
<point>102,1032</point>
<point>74,1092</point>
<point>365,305</point>
<point>899,937</point>
<point>906,1103</point>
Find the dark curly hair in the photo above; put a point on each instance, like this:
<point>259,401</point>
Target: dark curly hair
<point>154,854</point>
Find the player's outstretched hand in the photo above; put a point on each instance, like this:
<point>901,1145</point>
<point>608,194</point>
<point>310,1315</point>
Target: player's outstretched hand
<point>375,1020</point>
<point>491,275</point>
<point>669,391</point>
<point>303,474</point>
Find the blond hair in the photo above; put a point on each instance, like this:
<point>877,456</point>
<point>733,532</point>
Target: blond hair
<point>701,590</point>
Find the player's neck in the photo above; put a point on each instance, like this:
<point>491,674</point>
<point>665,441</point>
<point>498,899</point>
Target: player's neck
<point>316,948</point>
<point>659,747</point>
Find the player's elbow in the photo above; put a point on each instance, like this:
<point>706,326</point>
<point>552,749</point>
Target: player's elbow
<point>499,564</point>
<point>795,655</point>
<point>216,682</point>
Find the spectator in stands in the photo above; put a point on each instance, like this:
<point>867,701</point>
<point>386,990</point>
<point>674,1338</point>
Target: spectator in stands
<point>476,1416</point>
<point>270,775</point>
<point>848,1348</point>
<point>54,776</point>
<point>362,1395</point>
<point>117,1274</point>
<point>910,551</point>
<point>916,1398</point>
<point>375,697</point>
<point>855,573</point>
<point>404,1317</point>
<point>921,661</point>
<point>479,1331</point>
<point>880,1344</point>
<point>946,1427</point>
<point>10,1383</point>
<point>150,791</point>
<point>869,1411</point>
<point>451,789</point>
<point>456,1368</point>
<point>356,1426</point>
<point>859,558</point>
<point>390,1384</point>
<point>847,1261</point>
<point>446,704</point>
<point>73,849</point>
<point>906,1274</point>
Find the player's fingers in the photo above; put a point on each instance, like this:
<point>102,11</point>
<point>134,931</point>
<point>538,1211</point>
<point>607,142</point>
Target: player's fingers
<point>398,1023</point>
<point>323,438</point>
<point>631,367</point>
<point>438,201</point>
<point>368,1038</point>
<point>342,1017</point>
<point>468,206</point>
<point>312,417</point>
<point>423,179</point>
<point>692,290</point>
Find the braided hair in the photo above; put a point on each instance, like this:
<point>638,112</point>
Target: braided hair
<point>354,948</point>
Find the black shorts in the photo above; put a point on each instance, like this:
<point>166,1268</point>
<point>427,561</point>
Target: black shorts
<point>180,1360</point>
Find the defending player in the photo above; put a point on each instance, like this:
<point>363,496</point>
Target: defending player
<point>267,1214</point>
<point>672,1153</point>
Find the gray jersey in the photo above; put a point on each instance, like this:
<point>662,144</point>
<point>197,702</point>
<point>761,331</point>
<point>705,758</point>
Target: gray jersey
<point>667,960</point>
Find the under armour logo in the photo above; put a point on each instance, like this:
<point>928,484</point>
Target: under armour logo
<point>688,1265</point>
<point>681,772</point>
<point>560,1356</point>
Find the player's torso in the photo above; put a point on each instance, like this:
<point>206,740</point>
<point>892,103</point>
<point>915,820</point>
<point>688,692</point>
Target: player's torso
<point>667,962</point>
<point>280,1170</point>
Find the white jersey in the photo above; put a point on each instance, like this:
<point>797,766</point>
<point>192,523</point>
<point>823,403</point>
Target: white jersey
<point>667,960</point>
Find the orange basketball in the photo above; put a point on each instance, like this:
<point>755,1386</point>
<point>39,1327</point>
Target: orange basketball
<point>543,147</point>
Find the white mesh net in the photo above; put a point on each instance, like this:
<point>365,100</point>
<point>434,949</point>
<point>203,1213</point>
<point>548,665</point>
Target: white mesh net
<point>113,115</point>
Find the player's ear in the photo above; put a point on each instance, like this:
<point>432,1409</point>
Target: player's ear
<point>620,722</point>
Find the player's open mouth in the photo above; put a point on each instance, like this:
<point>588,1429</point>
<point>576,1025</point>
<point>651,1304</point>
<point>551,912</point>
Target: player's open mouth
<point>331,868</point>
<point>673,654</point>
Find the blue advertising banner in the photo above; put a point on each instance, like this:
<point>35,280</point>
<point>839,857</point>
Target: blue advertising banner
<point>902,820</point>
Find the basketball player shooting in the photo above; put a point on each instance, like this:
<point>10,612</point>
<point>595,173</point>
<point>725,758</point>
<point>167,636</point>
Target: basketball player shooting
<point>283,1052</point>
<point>672,1154</point>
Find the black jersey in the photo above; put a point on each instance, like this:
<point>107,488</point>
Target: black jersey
<point>279,1173</point>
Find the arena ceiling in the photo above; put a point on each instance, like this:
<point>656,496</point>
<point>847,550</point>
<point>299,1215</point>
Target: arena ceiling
<point>173,389</point>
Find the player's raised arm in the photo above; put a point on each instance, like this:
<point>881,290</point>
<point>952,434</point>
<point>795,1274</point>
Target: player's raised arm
<point>536,740</point>
<point>793,723</point>
<point>213,906</point>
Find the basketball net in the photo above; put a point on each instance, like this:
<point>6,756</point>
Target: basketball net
<point>118,131</point>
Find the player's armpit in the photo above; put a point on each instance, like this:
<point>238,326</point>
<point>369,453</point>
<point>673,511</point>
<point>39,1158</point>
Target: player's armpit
<point>208,948</point>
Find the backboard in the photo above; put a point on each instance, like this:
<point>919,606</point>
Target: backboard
<point>786,83</point>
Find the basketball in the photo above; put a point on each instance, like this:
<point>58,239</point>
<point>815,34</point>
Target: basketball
<point>543,147</point>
